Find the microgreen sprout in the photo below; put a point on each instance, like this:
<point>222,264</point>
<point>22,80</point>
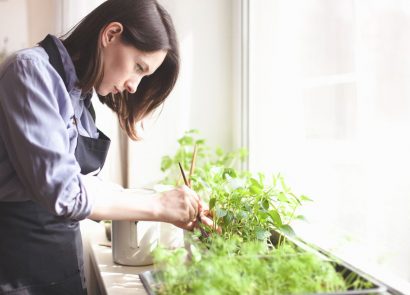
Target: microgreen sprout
<point>254,212</point>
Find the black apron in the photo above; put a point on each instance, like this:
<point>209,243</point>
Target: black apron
<point>40,253</point>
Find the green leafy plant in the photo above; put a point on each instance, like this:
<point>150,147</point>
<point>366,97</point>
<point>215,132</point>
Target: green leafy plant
<point>251,207</point>
<point>243,205</point>
<point>245,258</point>
<point>233,267</point>
<point>207,159</point>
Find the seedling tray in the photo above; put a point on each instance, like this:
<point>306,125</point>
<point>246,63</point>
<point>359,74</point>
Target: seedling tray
<point>151,280</point>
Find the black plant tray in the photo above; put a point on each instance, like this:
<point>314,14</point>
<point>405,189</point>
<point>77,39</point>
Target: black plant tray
<point>151,279</point>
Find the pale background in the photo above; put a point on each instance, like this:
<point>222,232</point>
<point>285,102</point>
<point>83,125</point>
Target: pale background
<point>329,107</point>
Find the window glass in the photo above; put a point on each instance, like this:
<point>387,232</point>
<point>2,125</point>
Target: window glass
<point>329,108</point>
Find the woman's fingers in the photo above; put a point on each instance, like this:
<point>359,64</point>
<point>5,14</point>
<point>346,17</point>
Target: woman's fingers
<point>188,226</point>
<point>207,220</point>
<point>186,207</point>
<point>207,213</point>
<point>183,206</point>
<point>193,203</point>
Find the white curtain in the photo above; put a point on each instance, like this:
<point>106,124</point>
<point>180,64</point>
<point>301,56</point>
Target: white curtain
<point>330,109</point>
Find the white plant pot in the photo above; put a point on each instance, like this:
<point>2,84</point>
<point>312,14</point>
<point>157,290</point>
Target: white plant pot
<point>134,241</point>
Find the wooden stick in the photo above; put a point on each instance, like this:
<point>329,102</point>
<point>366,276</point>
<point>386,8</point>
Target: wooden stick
<point>199,221</point>
<point>183,174</point>
<point>191,170</point>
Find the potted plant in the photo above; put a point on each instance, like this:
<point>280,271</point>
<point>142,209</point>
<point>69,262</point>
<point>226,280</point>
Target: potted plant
<point>257,251</point>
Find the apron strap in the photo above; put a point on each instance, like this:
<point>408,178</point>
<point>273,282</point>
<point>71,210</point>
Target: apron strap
<point>55,60</point>
<point>90,153</point>
<point>54,56</point>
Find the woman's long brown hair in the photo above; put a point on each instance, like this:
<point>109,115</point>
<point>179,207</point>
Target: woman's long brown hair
<point>147,27</point>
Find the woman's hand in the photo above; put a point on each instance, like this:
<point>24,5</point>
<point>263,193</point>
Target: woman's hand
<point>207,218</point>
<point>180,207</point>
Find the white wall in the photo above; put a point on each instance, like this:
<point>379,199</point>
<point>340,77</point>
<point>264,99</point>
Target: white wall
<point>41,19</point>
<point>72,11</point>
<point>203,96</point>
<point>13,24</point>
<point>24,22</point>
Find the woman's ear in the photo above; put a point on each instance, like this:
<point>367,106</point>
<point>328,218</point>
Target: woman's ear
<point>111,33</point>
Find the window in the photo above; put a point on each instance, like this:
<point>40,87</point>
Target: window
<point>329,108</point>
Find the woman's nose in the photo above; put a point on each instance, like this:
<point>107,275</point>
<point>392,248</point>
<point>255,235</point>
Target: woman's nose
<point>132,84</point>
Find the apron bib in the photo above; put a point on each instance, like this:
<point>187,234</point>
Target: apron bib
<point>40,253</point>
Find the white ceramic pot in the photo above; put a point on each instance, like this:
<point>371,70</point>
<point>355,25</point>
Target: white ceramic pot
<point>134,241</point>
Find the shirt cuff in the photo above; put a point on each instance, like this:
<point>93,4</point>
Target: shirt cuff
<point>94,187</point>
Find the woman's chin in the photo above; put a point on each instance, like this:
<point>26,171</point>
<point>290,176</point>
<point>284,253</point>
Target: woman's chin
<point>101,92</point>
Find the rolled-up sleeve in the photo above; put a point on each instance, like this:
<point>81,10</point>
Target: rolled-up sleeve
<point>35,129</point>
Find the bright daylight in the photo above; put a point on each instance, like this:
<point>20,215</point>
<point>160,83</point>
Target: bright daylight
<point>221,147</point>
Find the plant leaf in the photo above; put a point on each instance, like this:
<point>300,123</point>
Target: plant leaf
<point>282,197</point>
<point>228,217</point>
<point>276,218</point>
<point>200,141</point>
<point>255,189</point>
<point>186,140</point>
<point>301,217</point>
<point>229,171</point>
<point>166,163</point>
<point>220,212</point>
<point>262,234</point>
<point>255,183</point>
<point>212,202</point>
<point>305,198</point>
<point>265,204</point>
<point>287,230</point>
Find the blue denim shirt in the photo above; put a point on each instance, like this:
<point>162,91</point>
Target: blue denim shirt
<point>38,136</point>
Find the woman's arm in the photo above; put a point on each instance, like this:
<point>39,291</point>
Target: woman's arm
<point>178,206</point>
<point>37,134</point>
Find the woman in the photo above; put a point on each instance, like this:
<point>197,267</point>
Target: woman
<point>127,51</point>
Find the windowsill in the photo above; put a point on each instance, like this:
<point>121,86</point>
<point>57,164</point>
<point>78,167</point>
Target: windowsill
<point>106,277</point>
<point>103,275</point>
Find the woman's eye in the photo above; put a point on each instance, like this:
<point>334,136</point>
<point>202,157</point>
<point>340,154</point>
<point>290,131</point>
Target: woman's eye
<point>139,68</point>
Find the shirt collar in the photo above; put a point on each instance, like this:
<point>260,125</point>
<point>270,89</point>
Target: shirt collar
<point>76,95</point>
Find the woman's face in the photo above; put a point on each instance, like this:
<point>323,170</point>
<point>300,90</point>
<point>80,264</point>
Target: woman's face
<point>124,66</point>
